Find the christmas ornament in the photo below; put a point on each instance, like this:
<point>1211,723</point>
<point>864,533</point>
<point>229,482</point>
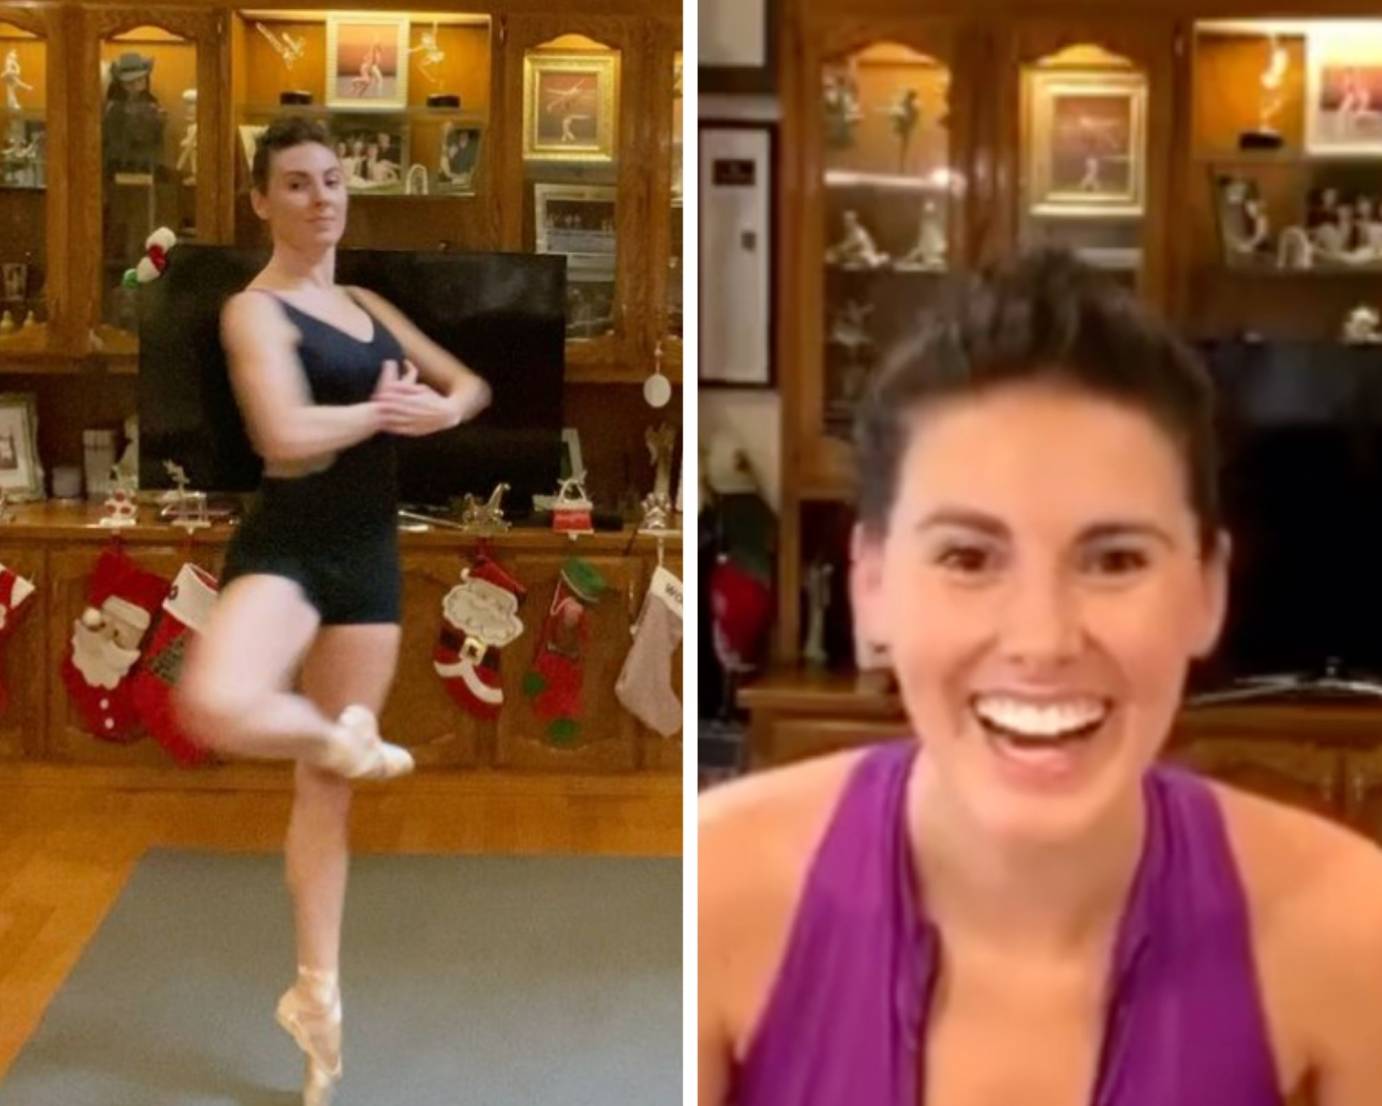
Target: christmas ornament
<point>488,517</point>
<point>120,504</point>
<point>185,612</point>
<point>122,599</point>
<point>154,261</point>
<point>15,592</point>
<point>645,682</point>
<point>554,682</point>
<point>480,617</point>
<point>572,512</point>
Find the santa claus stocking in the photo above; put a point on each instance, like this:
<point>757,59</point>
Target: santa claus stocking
<point>645,683</point>
<point>185,612</point>
<point>105,643</point>
<point>554,681</point>
<point>480,617</point>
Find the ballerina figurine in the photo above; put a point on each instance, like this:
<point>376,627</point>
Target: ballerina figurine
<point>13,80</point>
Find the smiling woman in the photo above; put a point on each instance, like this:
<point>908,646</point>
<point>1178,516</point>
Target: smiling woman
<point>1039,549</point>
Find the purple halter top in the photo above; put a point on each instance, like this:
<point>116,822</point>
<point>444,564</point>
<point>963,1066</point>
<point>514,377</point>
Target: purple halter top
<point>847,1014</point>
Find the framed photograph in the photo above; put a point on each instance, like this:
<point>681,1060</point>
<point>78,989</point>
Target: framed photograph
<point>1087,144</point>
<point>366,61</point>
<point>738,46</point>
<point>373,152</point>
<point>736,251</point>
<point>21,475</point>
<point>1343,97</point>
<point>459,159</point>
<point>589,301</point>
<point>569,106</point>
<point>576,220</point>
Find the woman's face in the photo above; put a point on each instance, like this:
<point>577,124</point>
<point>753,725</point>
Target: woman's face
<point>305,205</point>
<point>1041,591</point>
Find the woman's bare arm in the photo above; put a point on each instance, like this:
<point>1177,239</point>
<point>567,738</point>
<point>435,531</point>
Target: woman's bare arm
<point>467,392</point>
<point>283,423</point>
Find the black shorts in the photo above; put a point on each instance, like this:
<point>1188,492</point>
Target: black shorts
<point>349,574</point>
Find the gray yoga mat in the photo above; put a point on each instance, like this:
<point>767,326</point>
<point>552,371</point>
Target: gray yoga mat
<point>467,981</point>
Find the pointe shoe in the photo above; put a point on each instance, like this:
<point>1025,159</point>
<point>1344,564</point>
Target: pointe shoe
<point>317,1031</point>
<point>357,752</point>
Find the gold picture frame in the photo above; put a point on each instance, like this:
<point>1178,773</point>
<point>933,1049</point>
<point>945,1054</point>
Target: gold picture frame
<point>1086,154</point>
<point>570,105</point>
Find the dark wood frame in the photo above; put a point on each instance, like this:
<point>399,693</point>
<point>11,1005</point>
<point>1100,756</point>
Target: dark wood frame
<point>749,79</point>
<point>770,253</point>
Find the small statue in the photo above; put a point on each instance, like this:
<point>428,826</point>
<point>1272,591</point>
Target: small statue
<point>129,459</point>
<point>1361,327</point>
<point>905,113</point>
<point>817,587</point>
<point>657,505</point>
<point>187,148</point>
<point>132,129</point>
<point>841,104</point>
<point>931,248</point>
<point>120,502</point>
<point>432,54</point>
<point>856,249</point>
<point>11,77</point>
<point>487,517</point>
<point>288,48</point>
<point>1266,136</point>
<point>6,323</point>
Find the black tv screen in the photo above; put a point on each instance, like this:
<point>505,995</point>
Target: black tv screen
<point>502,314</point>
<point>1301,441</point>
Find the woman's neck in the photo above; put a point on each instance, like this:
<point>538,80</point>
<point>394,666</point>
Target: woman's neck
<point>293,269</point>
<point>1056,902</point>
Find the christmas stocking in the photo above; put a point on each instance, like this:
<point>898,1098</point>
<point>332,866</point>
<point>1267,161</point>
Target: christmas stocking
<point>122,599</point>
<point>14,595</point>
<point>645,684</point>
<point>480,617</point>
<point>553,683</point>
<point>185,612</point>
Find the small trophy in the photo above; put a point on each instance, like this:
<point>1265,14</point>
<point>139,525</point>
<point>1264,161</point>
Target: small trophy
<point>817,589</point>
<point>857,249</point>
<point>1266,136</point>
<point>288,48</point>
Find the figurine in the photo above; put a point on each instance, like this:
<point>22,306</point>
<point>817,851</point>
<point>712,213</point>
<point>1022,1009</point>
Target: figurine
<point>817,589</point>
<point>1266,136</point>
<point>657,505</point>
<point>487,517</point>
<point>432,54</point>
<point>841,104</point>
<point>187,148</point>
<point>132,130</point>
<point>1361,326</point>
<point>120,503</point>
<point>905,114</point>
<point>573,512</point>
<point>288,48</point>
<point>1294,250</point>
<point>128,464</point>
<point>6,323</point>
<point>930,250</point>
<point>11,78</point>
<point>856,250</point>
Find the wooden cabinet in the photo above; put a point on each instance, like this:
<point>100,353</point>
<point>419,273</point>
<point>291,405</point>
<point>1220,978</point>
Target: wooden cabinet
<point>1302,775</point>
<point>21,720</point>
<point>217,68</point>
<point>57,548</point>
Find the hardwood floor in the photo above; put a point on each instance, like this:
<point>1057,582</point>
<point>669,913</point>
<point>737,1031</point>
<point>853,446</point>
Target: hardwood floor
<point>70,836</point>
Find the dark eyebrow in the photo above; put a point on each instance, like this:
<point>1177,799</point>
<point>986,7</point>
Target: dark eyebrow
<point>995,527</point>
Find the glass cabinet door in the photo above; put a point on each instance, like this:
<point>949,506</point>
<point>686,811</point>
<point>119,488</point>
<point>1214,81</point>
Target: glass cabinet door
<point>155,90</point>
<point>887,187</point>
<point>405,99</point>
<point>25,285</point>
<point>671,330</point>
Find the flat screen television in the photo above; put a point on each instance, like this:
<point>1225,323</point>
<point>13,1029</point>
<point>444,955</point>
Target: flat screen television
<point>1301,484</point>
<point>502,314</point>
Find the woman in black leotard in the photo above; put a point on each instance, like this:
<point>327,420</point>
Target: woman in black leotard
<point>325,376</point>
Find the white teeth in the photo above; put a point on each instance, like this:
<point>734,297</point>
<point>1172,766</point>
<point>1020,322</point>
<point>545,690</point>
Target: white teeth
<point>1050,720</point>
